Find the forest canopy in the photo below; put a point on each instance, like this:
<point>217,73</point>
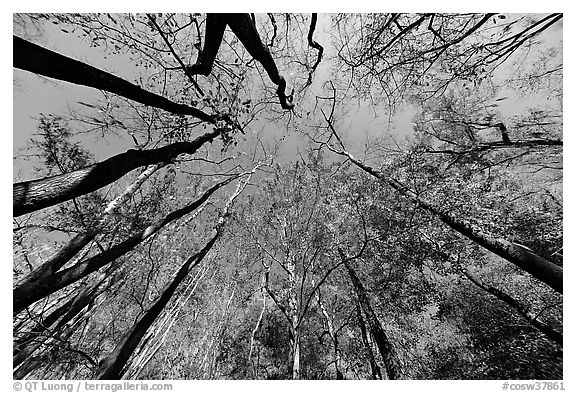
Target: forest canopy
<point>288,196</point>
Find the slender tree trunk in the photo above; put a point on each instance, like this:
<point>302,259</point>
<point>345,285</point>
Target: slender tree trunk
<point>34,58</point>
<point>243,27</point>
<point>380,337</point>
<point>376,374</point>
<point>540,268</point>
<point>255,330</point>
<point>331,331</point>
<point>246,32</point>
<point>41,332</point>
<point>295,328</point>
<point>294,353</point>
<point>30,362</point>
<point>112,367</point>
<point>58,260</point>
<point>523,310</point>
<point>157,336</point>
<point>33,195</point>
<point>25,295</point>
<point>296,357</point>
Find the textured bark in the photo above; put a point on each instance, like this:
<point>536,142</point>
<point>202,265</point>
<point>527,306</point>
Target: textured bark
<point>79,241</point>
<point>376,374</point>
<point>215,26</point>
<point>539,267</point>
<point>243,27</point>
<point>25,295</point>
<point>112,367</point>
<point>32,362</point>
<point>378,333</point>
<point>523,310</point>
<point>34,58</point>
<point>330,326</point>
<point>295,326</point>
<point>33,195</point>
<point>295,355</point>
<point>53,323</point>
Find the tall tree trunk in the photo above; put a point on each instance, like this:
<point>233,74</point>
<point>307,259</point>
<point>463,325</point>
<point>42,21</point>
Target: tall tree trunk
<point>523,310</point>
<point>376,374</point>
<point>57,320</point>
<point>33,195</point>
<point>151,343</point>
<point>34,58</point>
<point>254,368</point>
<point>112,367</point>
<point>296,356</point>
<point>59,259</point>
<point>380,337</point>
<point>520,308</point>
<point>67,311</point>
<point>243,27</point>
<point>330,326</point>
<point>294,353</point>
<point>295,328</point>
<point>25,295</point>
<point>30,362</point>
<point>540,268</point>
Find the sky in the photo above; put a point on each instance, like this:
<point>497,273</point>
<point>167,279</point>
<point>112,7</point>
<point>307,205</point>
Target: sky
<point>34,95</point>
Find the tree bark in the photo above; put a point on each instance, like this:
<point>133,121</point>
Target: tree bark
<point>79,241</point>
<point>523,310</point>
<point>26,345</point>
<point>376,374</point>
<point>330,326</point>
<point>380,337</point>
<point>294,313</point>
<point>25,295</point>
<point>33,195</point>
<point>34,58</point>
<point>243,27</point>
<point>112,367</point>
<point>540,268</point>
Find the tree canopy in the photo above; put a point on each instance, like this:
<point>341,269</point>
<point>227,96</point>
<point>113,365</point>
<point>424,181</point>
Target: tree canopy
<point>288,196</point>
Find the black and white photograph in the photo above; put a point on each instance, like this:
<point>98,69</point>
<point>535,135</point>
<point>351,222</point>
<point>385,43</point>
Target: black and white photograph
<point>287,196</point>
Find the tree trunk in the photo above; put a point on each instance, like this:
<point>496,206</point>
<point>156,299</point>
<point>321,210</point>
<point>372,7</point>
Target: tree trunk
<point>112,367</point>
<point>540,268</point>
<point>34,58</point>
<point>376,374</point>
<point>243,27</point>
<point>295,328</point>
<point>31,362</point>
<point>33,195</point>
<point>380,337</point>
<point>58,260</point>
<point>331,331</point>
<point>294,354</point>
<point>26,345</point>
<point>523,310</point>
<point>25,295</point>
